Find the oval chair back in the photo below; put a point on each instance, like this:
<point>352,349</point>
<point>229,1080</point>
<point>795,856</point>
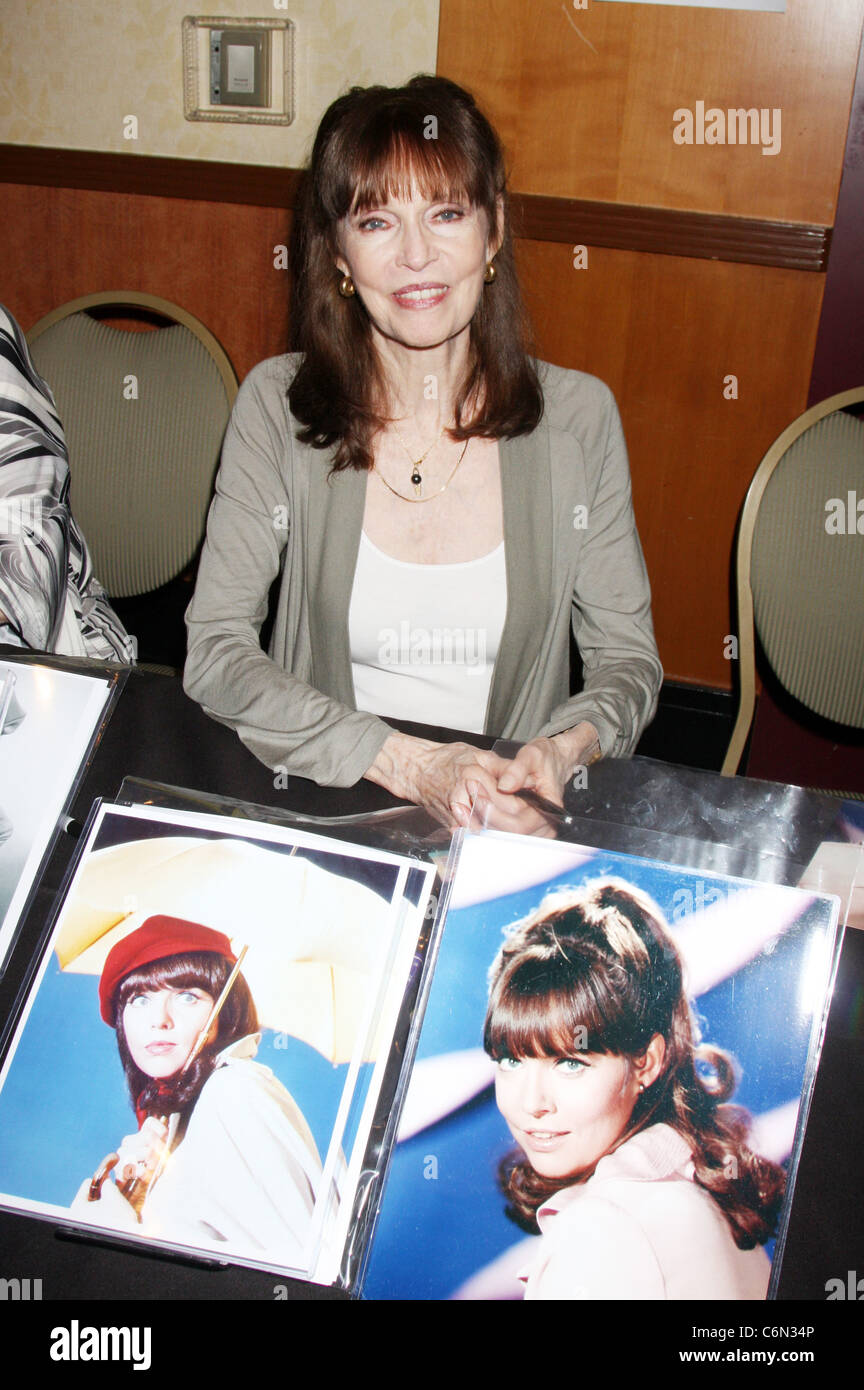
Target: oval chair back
<point>144,415</point>
<point>800,568</point>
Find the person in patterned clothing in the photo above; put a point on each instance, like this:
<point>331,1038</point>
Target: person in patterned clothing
<point>50,599</point>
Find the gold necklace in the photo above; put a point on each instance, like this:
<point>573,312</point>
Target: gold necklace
<point>416,476</point>
<point>416,489</point>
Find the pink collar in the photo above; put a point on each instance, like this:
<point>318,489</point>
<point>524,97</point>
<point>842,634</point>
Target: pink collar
<point>656,1154</point>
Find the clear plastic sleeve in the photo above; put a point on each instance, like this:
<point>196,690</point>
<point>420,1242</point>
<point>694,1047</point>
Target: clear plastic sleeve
<point>759,958</point>
<point>53,711</point>
<point>364,886</point>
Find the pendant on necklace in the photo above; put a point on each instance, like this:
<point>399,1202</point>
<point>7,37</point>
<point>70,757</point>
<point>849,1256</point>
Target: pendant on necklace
<point>417,482</point>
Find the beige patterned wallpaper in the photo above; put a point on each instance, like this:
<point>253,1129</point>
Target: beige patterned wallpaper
<point>74,70</point>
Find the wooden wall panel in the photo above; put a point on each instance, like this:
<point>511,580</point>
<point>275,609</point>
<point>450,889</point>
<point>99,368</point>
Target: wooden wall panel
<point>584,102</point>
<point>214,259</point>
<point>664,332</point>
<point>584,98</point>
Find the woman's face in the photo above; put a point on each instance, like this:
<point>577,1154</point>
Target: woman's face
<point>565,1113</point>
<point>162,1027</point>
<point>417,266</point>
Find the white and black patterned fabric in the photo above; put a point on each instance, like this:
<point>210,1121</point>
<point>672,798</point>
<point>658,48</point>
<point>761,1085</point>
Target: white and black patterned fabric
<point>50,599</point>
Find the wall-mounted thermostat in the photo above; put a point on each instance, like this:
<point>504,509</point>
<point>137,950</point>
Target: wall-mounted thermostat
<point>240,67</point>
<point>238,70</point>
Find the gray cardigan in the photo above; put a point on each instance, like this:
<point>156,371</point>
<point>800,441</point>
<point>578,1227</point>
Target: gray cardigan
<point>572,553</point>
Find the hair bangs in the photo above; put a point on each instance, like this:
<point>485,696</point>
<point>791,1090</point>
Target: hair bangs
<point>402,166</point>
<point>538,1011</point>
<point>205,970</point>
<point>395,150</point>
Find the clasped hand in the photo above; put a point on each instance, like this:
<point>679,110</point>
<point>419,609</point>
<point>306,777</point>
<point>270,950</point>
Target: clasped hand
<point>449,779</point>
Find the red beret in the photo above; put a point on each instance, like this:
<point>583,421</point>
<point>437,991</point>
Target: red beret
<point>155,939</point>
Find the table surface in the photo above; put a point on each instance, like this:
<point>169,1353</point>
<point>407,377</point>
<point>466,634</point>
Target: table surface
<point>730,825</point>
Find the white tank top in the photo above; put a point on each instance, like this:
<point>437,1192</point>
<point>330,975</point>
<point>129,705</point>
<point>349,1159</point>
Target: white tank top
<point>424,638</point>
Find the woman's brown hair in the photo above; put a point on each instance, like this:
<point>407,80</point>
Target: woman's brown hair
<point>595,971</point>
<point>207,970</point>
<point>375,143</point>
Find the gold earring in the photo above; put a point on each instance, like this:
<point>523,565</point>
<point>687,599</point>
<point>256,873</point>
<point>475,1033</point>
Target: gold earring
<point>489,273</point>
<point>346,287</point>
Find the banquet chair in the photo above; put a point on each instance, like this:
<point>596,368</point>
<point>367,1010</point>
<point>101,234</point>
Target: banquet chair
<point>144,413</point>
<point>800,569</point>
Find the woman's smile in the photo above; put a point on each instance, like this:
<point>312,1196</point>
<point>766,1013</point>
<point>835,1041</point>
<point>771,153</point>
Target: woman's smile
<point>545,1138</point>
<point>424,296</point>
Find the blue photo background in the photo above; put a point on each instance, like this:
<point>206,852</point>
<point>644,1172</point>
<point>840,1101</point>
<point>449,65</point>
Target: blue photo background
<point>443,1218</point>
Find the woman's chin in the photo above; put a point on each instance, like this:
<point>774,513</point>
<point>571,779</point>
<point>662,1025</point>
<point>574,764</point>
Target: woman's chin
<point>157,1069</point>
<point>555,1167</point>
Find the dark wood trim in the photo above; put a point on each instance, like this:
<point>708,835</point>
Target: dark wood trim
<point>204,180</point>
<point>657,231</point>
<point>670,232</point>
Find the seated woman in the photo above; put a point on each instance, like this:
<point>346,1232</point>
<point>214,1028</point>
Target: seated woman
<point>439,506</point>
<point>637,1174</point>
<point>50,600</point>
<point>223,1155</point>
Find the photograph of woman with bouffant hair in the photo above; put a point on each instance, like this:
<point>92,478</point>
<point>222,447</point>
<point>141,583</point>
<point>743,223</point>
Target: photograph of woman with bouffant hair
<point>631,1162</point>
<point>611,1082</point>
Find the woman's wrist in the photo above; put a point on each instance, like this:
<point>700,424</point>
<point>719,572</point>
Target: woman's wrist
<point>578,747</point>
<point>398,764</point>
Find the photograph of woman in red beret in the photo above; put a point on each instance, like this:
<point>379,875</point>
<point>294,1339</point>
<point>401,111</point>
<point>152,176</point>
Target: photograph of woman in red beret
<point>211,1027</point>
<point>222,1151</point>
